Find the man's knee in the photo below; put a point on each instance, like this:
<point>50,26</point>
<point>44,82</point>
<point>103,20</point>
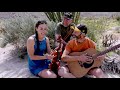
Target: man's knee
<point>47,74</point>
<point>97,72</point>
<point>53,75</point>
<point>62,71</point>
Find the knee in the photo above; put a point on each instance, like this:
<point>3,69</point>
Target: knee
<point>53,75</point>
<point>97,72</point>
<point>47,74</point>
<point>62,71</point>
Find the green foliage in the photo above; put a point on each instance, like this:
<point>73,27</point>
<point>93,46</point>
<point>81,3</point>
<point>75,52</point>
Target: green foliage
<point>76,16</point>
<point>51,33</point>
<point>118,20</point>
<point>54,16</point>
<point>57,16</point>
<point>51,30</point>
<point>17,31</point>
<point>97,27</point>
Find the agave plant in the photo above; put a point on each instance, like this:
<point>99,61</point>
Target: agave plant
<point>57,16</point>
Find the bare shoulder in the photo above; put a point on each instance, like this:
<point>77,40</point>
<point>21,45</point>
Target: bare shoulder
<point>30,39</point>
<point>47,39</point>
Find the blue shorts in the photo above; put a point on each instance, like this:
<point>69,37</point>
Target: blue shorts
<point>37,70</point>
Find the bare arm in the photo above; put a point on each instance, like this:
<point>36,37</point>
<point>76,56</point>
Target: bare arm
<point>30,50</point>
<point>75,53</point>
<point>75,56</point>
<point>66,57</point>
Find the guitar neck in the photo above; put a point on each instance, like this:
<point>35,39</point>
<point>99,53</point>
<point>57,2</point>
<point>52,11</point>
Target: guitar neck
<point>59,47</point>
<point>107,50</point>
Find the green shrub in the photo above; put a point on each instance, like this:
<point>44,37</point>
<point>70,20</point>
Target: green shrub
<point>57,16</point>
<point>17,31</point>
<point>51,33</point>
<point>98,26</point>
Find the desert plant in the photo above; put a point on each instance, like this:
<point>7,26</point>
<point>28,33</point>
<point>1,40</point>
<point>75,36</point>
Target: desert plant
<point>17,31</point>
<point>51,33</point>
<point>108,40</point>
<point>57,16</point>
<point>95,27</point>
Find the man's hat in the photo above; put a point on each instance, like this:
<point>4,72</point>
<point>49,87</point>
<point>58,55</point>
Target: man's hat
<point>68,15</point>
<point>82,28</point>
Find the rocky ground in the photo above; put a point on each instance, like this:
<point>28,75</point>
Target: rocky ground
<point>11,66</point>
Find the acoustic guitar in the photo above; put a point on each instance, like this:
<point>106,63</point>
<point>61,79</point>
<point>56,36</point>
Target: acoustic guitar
<point>79,69</point>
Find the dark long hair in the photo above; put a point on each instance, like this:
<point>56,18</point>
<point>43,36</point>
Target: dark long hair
<point>36,33</point>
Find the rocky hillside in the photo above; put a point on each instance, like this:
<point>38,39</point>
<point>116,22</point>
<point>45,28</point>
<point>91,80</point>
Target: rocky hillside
<point>7,15</point>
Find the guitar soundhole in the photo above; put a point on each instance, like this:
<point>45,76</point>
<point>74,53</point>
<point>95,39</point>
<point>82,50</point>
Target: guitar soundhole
<point>86,65</point>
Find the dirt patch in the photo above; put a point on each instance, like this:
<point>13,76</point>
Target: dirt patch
<point>13,67</point>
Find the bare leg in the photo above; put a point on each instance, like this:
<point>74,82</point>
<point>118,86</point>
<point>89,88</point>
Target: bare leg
<point>98,73</point>
<point>64,72</point>
<point>47,74</point>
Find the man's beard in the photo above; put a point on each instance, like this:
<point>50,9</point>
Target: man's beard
<point>77,37</point>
